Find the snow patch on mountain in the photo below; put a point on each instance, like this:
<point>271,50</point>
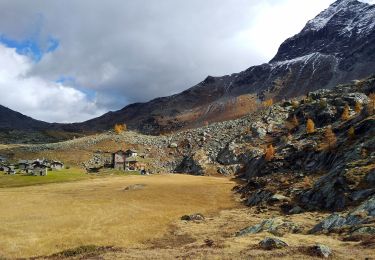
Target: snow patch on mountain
<point>313,57</point>
<point>348,6</point>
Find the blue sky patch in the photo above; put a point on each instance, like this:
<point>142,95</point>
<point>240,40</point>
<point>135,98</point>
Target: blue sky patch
<point>30,47</point>
<point>71,81</point>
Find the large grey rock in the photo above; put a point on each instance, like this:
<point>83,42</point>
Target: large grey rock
<point>259,197</point>
<point>193,217</point>
<point>275,226</point>
<point>259,130</point>
<point>194,164</point>
<point>321,250</point>
<point>228,155</point>
<point>334,221</point>
<point>296,210</point>
<point>270,243</point>
<point>363,214</point>
<point>278,198</point>
<point>365,230</point>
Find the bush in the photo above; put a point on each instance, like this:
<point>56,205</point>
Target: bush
<point>268,102</point>
<point>295,121</point>
<point>295,104</point>
<point>310,126</point>
<point>345,114</point>
<point>371,104</point>
<point>269,153</point>
<point>323,103</point>
<point>351,133</point>
<point>358,107</point>
<point>119,128</point>
<point>330,138</point>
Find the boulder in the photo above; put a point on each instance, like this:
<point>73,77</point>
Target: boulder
<point>135,187</point>
<point>321,250</point>
<point>278,198</point>
<point>228,155</point>
<point>194,164</point>
<point>193,217</point>
<point>275,226</point>
<point>259,197</point>
<point>363,214</point>
<point>259,130</point>
<point>230,169</point>
<point>365,230</point>
<point>296,210</point>
<point>270,243</point>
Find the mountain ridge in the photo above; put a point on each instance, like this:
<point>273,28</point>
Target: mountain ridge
<point>335,47</point>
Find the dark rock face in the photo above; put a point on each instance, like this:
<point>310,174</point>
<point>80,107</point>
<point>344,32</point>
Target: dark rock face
<point>327,193</point>
<point>322,178</point>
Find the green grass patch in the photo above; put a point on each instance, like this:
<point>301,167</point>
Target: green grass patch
<point>20,180</point>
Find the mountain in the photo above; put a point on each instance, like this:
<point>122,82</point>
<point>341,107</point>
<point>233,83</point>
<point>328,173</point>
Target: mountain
<point>335,47</point>
<point>10,120</point>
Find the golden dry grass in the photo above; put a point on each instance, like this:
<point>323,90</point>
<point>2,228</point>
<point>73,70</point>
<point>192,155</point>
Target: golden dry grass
<point>187,240</point>
<point>41,220</point>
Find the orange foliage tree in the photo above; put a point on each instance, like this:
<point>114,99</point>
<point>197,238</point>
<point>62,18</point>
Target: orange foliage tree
<point>269,153</point>
<point>268,102</point>
<point>295,121</point>
<point>371,104</point>
<point>345,114</point>
<point>119,128</point>
<point>351,133</point>
<point>330,138</point>
<point>358,107</point>
<point>310,126</point>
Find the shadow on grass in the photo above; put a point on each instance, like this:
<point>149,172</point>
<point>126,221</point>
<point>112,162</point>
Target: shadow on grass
<point>87,251</point>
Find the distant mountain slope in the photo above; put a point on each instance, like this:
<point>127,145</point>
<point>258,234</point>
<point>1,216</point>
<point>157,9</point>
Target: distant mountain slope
<point>335,47</point>
<point>10,120</point>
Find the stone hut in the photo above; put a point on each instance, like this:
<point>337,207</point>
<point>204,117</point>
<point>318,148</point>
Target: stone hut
<point>56,165</point>
<point>23,165</point>
<point>131,153</point>
<point>39,168</point>
<point>131,164</point>
<point>119,158</point>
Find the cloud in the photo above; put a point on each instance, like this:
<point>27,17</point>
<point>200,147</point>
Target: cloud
<point>37,97</point>
<point>128,51</point>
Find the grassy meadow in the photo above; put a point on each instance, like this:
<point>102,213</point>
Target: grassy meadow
<point>20,180</point>
<point>44,219</point>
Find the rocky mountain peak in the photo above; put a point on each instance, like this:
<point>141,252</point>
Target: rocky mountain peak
<point>340,30</point>
<point>344,12</point>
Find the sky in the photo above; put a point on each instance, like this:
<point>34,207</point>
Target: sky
<point>69,61</point>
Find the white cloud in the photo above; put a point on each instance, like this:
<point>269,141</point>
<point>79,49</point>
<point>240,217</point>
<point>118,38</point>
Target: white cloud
<point>37,97</point>
<point>131,51</point>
